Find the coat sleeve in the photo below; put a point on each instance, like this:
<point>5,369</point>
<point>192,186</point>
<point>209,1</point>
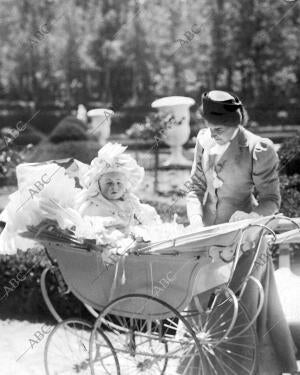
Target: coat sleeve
<point>196,185</point>
<point>265,178</point>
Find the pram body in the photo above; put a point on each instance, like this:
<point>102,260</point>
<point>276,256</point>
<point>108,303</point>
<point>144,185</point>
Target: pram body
<point>147,295</point>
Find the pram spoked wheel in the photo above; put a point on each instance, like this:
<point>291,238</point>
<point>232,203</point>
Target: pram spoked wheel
<point>145,344</point>
<point>56,294</point>
<point>67,352</point>
<point>228,343</point>
<point>53,287</point>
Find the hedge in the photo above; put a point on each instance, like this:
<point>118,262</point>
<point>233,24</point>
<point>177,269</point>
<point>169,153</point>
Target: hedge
<point>69,129</point>
<point>20,293</point>
<point>290,195</point>
<point>84,151</point>
<point>28,136</point>
<point>289,155</point>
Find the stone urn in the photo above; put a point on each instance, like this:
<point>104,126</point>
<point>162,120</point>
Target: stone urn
<point>176,134</point>
<point>100,122</point>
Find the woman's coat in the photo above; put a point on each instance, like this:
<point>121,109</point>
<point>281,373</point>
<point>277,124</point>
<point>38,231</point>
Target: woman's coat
<point>217,190</point>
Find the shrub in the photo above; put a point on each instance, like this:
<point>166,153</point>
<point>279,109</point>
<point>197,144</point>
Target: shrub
<point>10,157</point>
<point>290,195</point>
<point>23,299</point>
<point>289,155</point>
<point>69,129</point>
<point>121,121</point>
<point>155,126</point>
<point>29,136</point>
<point>47,120</point>
<point>196,123</point>
<point>13,137</point>
<point>83,151</point>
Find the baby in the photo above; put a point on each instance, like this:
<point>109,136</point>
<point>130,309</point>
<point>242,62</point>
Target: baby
<point>104,202</point>
<point>109,187</point>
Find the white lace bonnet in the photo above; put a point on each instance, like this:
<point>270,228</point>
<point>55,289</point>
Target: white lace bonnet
<point>111,158</point>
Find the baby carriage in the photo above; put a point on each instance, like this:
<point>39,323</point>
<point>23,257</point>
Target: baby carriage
<point>148,319</point>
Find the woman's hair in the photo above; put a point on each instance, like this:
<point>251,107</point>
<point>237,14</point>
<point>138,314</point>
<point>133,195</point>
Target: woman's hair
<point>245,116</point>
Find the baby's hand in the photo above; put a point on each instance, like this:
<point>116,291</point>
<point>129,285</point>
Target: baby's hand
<point>109,222</point>
<point>114,223</point>
<point>110,257</point>
<point>140,243</point>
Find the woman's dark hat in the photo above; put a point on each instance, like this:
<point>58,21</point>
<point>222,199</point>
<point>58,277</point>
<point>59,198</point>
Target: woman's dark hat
<point>221,108</point>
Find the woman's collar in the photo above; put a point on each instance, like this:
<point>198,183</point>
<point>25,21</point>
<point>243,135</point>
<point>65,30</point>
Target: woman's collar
<point>235,133</point>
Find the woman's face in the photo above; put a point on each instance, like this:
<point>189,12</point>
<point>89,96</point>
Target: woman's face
<point>112,185</point>
<point>220,133</point>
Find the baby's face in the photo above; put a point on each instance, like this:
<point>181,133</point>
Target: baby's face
<point>112,185</point>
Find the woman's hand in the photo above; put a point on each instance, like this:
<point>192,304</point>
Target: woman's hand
<point>241,215</point>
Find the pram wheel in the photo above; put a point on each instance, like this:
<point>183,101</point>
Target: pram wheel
<point>226,347</point>
<point>55,292</point>
<point>52,291</point>
<point>144,342</point>
<point>67,352</point>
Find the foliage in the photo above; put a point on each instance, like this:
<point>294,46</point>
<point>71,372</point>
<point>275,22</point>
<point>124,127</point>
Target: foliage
<point>29,136</point>
<point>69,129</point>
<point>154,127</point>
<point>289,155</point>
<point>290,195</point>
<point>122,120</point>
<point>24,300</point>
<point>196,123</point>
<point>130,52</point>
<point>10,157</point>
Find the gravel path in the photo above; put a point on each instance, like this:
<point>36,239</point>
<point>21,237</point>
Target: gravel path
<point>22,349</point>
<point>19,355</point>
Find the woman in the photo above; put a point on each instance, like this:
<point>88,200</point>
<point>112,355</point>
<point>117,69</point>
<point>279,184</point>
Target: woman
<point>229,163</point>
